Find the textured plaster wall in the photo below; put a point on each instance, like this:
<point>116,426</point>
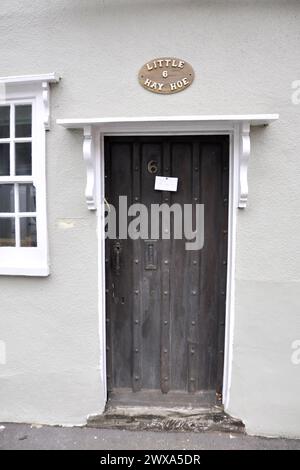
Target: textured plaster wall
<point>245,55</point>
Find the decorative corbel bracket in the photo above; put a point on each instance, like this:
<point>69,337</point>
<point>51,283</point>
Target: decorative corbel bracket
<point>236,125</point>
<point>46,104</point>
<point>89,158</point>
<point>22,84</point>
<point>54,78</point>
<point>244,156</point>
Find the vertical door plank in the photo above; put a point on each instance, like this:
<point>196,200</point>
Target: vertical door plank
<point>151,151</point>
<point>137,372</point>
<point>181,151</point>
<point>109,348</point>
<point>209,260</point>
<point>193,321</point>
<point>121,297</point>
<point>165,331</point>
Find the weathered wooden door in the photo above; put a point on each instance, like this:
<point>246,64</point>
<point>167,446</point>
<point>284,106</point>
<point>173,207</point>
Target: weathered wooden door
<point>166,305</point>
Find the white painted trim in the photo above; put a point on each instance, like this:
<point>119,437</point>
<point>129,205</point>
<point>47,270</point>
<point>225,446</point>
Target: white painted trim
<point>239,132</point>
<point>21,79</point>
<point>231,254</point>
<point>89,158</point>
<point>32,84</point>
<point>218,124</point>
<point>100,194</point>
<point>38,271</point>
<point>253,119</point>
<point>243,131</point>
<point>34,90</point>
<point>46,103</point>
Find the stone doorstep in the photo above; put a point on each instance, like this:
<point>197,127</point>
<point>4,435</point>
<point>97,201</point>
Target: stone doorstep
<point>156,418</point>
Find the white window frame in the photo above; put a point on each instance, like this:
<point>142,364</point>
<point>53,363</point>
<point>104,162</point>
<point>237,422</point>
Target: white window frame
<point>34,90</point>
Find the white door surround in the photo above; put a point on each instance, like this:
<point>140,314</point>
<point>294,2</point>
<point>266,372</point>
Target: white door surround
<point>238,129</point>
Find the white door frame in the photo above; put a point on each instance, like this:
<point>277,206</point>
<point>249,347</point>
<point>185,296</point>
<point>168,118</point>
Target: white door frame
<point>238,129</point>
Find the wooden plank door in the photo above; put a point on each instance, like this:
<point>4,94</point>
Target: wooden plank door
<point>166,305</point>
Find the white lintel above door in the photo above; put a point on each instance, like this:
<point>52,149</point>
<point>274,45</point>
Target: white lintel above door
<point>236,125</point>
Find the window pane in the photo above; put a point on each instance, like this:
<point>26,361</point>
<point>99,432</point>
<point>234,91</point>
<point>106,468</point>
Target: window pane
<point>27,198</point>
<point>7,198</point>
<point>4,160</point>
<point>28,231</point>
<point>23,121</point>
<point>4,121</point>
<point>7,231</point>
<point>23,158</point>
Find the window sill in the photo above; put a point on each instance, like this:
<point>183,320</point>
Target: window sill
<point>38,271</point>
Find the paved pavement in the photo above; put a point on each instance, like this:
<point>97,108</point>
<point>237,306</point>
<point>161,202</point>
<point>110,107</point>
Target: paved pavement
<point>21,436</point>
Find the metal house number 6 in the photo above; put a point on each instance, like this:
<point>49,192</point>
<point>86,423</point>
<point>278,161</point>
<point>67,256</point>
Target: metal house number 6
<point>152,166</point>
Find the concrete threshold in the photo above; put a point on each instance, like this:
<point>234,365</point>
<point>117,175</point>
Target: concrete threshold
<point>161,418</point>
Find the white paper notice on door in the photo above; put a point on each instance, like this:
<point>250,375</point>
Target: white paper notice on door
<point>166,183</point>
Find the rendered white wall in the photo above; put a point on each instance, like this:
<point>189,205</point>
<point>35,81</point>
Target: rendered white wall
<point>245,57</point>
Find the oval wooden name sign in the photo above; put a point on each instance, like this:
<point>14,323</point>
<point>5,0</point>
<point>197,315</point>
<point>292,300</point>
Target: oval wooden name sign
<point>166,75</point>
